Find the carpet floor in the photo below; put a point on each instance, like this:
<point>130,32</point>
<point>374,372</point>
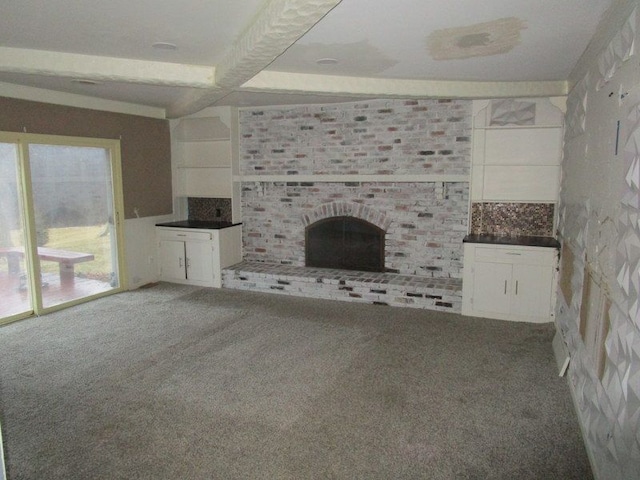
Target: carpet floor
<point>180,382</point>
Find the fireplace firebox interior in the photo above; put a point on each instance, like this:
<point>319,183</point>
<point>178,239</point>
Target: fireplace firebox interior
<point>346,243</point>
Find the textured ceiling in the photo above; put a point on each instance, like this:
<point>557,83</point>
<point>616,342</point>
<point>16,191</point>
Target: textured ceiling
<point>257,52</point>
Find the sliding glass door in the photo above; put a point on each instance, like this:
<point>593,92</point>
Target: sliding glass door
<point>15,282</point>
<point>61,238</point>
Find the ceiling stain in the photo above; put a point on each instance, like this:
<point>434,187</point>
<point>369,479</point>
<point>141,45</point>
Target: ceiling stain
<point>479,40</point>
<point>357,58</point>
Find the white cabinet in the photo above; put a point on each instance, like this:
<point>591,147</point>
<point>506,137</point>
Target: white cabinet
<point>196,256</point>
<point>509,282</point>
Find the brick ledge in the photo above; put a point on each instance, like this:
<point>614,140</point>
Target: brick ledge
<point>442,294</point>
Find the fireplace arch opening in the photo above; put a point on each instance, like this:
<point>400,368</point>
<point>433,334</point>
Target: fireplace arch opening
<point>345,242</point>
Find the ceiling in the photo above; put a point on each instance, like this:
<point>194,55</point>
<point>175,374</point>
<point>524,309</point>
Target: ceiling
<point>183,56</point>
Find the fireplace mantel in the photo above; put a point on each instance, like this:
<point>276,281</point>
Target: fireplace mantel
<point>354,178</point>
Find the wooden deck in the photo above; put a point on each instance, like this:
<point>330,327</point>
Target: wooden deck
<point>65,259</point>
<point>15,300</point>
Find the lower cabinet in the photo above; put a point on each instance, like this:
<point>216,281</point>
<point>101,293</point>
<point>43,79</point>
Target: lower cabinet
<point>509,282</point>
<point>195,256</point>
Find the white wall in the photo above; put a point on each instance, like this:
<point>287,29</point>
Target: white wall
<point>599,229</point>
<point>141,250</point>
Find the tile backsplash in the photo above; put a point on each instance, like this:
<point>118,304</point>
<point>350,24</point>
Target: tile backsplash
<point>530,219</point>
<point>209,209</point>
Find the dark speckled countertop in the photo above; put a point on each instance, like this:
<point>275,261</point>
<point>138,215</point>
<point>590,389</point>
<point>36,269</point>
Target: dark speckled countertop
<point>198,224</point>
<point>521,240</point>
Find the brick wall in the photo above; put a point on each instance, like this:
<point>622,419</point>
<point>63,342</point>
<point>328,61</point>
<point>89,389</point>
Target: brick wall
<point>376,137</point>
<point>425,221</point>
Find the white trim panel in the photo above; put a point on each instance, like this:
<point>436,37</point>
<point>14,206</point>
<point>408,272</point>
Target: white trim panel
<point>72,65</point>
<point>285,82</point>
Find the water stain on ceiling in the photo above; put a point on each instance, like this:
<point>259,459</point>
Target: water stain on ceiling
<point>479,40</point>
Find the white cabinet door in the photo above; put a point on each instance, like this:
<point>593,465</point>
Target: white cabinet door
<point>199,260</point>
<point>172,260</point>
<point>491,287</point>
<point>509,283</point>
<point>531,289</point>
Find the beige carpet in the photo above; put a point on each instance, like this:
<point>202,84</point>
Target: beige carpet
<point>177,382</point>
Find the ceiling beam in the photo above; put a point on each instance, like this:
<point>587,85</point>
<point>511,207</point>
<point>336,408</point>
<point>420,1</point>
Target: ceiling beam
<point>285,82</point>
<point>276,27</point>
<point>91,67</point>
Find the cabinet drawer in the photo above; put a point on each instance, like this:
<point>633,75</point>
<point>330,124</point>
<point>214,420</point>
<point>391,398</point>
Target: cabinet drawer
<point>185,234</point>
<point>529,256</point>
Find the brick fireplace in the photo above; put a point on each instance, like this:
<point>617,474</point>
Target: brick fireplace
<point>424,222</point>
<point>390,150</point>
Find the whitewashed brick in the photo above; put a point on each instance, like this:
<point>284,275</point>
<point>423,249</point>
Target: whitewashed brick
<point>424,222</point>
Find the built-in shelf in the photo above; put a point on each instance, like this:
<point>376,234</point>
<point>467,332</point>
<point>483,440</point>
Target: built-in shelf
<point>204,152</point>
<point>202,129</point>
<point>205,182</point>
<point>517,127</point>
<point>516,162</point>
<point>352,178</point>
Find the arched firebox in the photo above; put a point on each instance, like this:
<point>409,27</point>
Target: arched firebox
<point>345,242</point>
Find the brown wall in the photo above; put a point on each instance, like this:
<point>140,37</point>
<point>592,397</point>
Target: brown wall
<point>144,142</point>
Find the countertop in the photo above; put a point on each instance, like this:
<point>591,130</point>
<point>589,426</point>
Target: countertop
<point>198,224</point>
<point>520,240</point>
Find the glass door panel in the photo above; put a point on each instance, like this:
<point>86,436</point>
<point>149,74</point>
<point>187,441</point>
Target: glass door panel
<point>72,189</point>
<point>15,284</point>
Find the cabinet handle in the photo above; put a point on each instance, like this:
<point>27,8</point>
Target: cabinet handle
<point>516,287</point>
<point>180,261</point>
<point>188,262</point>
<point>505,287</point>
<point>514,253</point>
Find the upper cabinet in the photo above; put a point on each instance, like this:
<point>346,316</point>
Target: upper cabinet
<point>517,149</point>
<point>203,149</point>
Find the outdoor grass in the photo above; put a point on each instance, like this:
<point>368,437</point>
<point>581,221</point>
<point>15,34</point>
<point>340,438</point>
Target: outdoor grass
<point>94,239</point>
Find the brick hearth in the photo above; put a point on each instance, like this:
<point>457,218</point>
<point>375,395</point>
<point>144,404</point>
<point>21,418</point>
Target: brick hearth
<point>444,294</point>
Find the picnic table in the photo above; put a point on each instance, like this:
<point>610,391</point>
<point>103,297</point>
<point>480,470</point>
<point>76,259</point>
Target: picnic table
<point>66,260</point>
